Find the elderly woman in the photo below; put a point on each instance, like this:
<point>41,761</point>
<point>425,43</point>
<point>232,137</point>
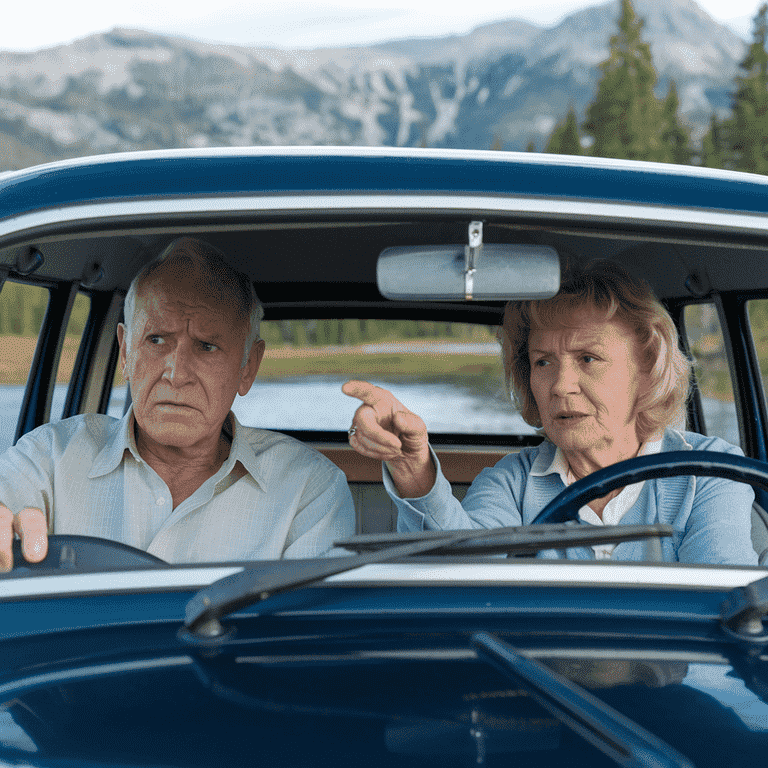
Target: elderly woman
<point>598,369</point>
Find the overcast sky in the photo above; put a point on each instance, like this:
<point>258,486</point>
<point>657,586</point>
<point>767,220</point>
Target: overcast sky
<point>28,26</point>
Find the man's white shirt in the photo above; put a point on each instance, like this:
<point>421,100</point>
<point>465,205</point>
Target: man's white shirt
<point>87,476</point>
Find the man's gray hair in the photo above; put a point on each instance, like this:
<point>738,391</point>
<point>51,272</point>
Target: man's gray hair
<point>236,285</point>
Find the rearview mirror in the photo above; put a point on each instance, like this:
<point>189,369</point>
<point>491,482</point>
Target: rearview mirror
<point>484,273</point>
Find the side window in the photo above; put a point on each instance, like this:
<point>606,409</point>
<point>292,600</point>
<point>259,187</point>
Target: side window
<point>712,372</point>
<point>22,309</point>
<point>118,394</point>
<point>758,321</point>
<point>74,333</point>
<point>448,373</point>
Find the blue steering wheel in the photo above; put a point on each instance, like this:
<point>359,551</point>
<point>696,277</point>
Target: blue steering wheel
<point>672,464</point>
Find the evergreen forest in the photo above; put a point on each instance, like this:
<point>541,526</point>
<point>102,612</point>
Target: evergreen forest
<point>628,119</point>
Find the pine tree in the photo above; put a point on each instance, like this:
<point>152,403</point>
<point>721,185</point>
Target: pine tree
<point>565,137</point>
<point>749,129</point>
<point>674,135</point>
<point>624,117</point>
<point>714,144</point>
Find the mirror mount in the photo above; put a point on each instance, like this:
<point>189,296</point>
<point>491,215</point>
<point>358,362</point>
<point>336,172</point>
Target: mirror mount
<point>472,257</point>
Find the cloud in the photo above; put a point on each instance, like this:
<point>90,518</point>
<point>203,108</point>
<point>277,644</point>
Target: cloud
<point>287,23</point>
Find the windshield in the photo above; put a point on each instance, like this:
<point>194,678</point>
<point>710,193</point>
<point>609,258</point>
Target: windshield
<point>449,373</point>
<point>332,396</point>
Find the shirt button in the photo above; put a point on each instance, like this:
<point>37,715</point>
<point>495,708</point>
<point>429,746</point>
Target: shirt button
<point>160,502</point>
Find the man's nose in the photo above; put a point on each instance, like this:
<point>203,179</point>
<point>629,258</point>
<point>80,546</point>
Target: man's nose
<point>178,365</point>
<point>566,380</point>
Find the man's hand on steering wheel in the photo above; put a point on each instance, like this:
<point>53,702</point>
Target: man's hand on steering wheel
<point>31,526</point>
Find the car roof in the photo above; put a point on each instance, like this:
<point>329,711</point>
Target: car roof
<point>133,175</point>
<point>307,223</point>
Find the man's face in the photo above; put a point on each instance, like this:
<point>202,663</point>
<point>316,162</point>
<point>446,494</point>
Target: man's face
<point>184,362</point>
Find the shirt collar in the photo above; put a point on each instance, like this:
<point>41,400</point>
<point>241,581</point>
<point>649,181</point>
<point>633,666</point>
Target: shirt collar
<point>559,466</point>
<point>242,451</point>
<point>674,440</point>
<point>123,439</point>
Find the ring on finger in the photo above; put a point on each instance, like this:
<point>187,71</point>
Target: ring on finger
<point>351,431</point>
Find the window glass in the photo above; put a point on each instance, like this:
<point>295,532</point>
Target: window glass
<point>712,372</point>
<point>22,309</point>
<point>74,334</point>
<point>448,373</point>
<point>758,320</point>
<point>118,395</point>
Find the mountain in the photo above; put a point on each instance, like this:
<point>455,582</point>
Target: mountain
<point>504,83</point>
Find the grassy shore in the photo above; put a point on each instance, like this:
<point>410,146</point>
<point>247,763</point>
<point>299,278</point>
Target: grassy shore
<point>319,362</point>
<point>16,353</point>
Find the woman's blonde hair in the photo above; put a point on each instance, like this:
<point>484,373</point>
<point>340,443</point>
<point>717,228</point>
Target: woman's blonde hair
<point>608,288</point>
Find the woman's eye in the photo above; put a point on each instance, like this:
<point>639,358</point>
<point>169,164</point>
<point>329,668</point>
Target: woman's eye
<point>540,363</point>
<point>589,359</point>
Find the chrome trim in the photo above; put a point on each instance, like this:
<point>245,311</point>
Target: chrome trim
<point>415,654</point>
<point>506,158</point>
<point>498,572</point>
<point>112,581</point>
<point>563,572</point>
<point>412,203</point>
<point>459,654</point>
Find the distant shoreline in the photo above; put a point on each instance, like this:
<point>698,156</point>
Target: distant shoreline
<point>424,358</point>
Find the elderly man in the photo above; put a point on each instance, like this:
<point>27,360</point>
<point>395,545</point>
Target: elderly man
<point>178,476</point>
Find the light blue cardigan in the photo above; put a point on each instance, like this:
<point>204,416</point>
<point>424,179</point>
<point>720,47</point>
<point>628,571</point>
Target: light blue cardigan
<point>711,517</point>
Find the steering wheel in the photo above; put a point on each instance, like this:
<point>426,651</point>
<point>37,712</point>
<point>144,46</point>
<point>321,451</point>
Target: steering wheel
<point>672,464</point>
<point>83,553</point>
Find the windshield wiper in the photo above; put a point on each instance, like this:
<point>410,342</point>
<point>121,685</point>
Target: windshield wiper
<point>252,585</point>
<point>518,540</point>
<point>619,737</point>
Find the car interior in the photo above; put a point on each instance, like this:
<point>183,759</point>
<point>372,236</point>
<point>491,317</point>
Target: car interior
<point>311,267</point>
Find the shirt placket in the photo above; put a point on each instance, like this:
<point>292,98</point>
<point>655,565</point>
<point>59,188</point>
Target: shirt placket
<point>147,505</point>
<point>163,535</point>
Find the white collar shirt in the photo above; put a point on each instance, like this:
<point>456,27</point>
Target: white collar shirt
<point>615,509</point>
<point>86,474</point>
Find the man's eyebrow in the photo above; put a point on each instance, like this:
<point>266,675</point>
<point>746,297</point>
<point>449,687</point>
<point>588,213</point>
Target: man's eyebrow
<point>214,336</point>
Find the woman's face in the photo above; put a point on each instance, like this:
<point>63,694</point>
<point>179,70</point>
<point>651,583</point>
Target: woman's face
<point>586,380</point>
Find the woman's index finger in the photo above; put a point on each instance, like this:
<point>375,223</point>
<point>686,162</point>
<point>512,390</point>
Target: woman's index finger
<point>370,394</point>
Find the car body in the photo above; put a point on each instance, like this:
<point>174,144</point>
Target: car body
<point>399,656</point>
